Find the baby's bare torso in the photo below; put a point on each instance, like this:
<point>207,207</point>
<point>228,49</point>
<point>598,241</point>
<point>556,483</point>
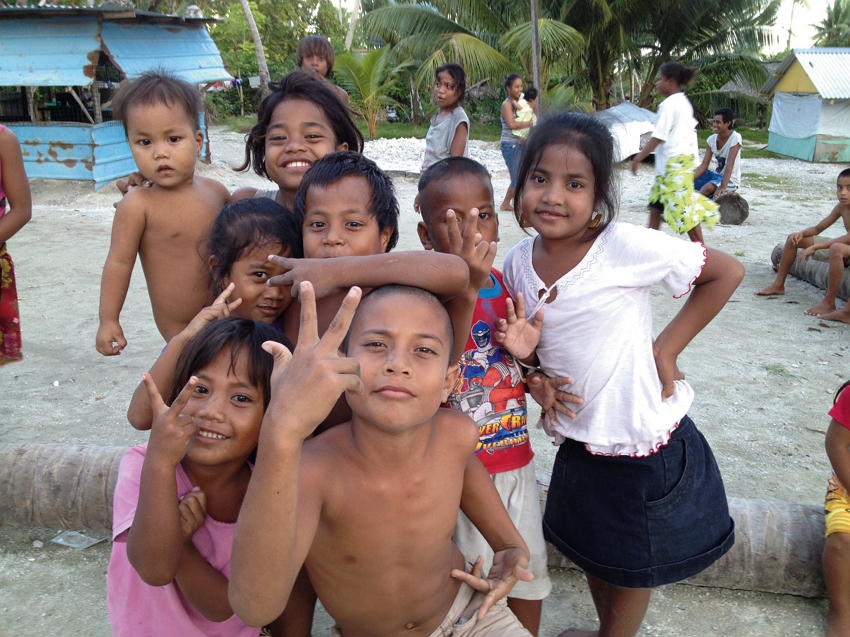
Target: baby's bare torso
<point>382,555</point>
<point>174,250</point>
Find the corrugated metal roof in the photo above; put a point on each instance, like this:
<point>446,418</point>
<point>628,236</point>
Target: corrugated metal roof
<point>186,50</point>
<point>828,68</point>
<point>51,50</point>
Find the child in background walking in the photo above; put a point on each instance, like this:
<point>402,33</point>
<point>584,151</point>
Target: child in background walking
<point>166,223</point>
<point>315,53</point>
<point>636,499</point>
<point>448,135</point>
<point>674,142</point>
<point>836,550</point>
<point>15,213</point>
<point>178,496</point>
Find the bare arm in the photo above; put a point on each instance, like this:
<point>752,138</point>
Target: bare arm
<point>155,540</point>
<point>139,413</point>
<point>651,145</point>
<point>706,160</point>
<point>508,116</point>
<point>838,450</point>
<point>720,276</point>
<point>203,585</point>
<point>808,252</point>
<point>16,185</point>
<point>458,144</point>
<point>444,275</point>
<point>281,509</point>
<point>127,229</point>
<point>245,192</point>
<point>825,223</point>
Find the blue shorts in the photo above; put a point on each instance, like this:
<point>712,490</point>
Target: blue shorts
<point>640,522</point>
<point>512,153</point>
<point>711,177</point>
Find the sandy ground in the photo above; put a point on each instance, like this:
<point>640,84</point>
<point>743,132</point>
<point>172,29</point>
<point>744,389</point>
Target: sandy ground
<point>764,375</point>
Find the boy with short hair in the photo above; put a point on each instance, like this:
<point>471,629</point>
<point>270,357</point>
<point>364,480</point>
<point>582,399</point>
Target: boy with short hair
<point>369,506</point>
<point>807,239</point>
<point>725,146</point>
<point>315,53</point>
<point>490,385</point>
<point>164,224</point>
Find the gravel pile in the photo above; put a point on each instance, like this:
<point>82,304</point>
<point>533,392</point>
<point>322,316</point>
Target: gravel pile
<point>406,153</point>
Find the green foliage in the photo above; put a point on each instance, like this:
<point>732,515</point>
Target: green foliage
<point>368,78</point>
<point>834,29</point>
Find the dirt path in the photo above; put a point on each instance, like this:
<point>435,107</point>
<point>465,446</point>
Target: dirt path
<point>763,372</point>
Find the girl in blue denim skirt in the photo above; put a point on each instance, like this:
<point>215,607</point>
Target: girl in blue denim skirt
<point>636,499</point>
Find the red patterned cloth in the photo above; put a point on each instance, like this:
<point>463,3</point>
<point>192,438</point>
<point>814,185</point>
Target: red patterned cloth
<point>10,319</point>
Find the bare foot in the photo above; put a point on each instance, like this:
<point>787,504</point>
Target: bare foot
<point>842,315</point>
<point>772,289</point>
<point>821,308</point>
<point>578,632</point>
<point>506,206</point>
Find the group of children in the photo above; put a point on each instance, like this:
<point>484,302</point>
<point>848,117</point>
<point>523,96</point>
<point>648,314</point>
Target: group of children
<point>302,451</point>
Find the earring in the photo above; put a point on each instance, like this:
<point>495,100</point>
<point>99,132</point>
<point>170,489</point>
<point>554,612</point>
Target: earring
<point>594,223</point>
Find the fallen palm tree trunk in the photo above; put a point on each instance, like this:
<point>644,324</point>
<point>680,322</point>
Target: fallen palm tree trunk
<point>815,270</point>
<point>777,547</point>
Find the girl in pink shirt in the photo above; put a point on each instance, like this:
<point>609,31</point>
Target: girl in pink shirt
<point>178,496</point>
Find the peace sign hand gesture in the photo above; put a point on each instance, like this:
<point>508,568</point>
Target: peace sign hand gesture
<point>307,383</point>
<point>171,430</point>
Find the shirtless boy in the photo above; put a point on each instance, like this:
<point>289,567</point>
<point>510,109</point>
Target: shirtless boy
<point>805,239</point>
<point>370,506</point>
<point>164,224</point>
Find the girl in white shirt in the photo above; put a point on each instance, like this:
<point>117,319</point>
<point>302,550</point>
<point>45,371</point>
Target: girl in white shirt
<point>636,498</point>
<point>674,141</point>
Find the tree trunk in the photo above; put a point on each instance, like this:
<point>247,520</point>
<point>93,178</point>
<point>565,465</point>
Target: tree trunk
<point>265,78</point>
<point>349,38</point>
<point>414,102</point>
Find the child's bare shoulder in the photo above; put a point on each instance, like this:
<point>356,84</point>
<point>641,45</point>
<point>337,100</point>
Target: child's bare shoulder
<point>213,187</point>
<point>456,427</point>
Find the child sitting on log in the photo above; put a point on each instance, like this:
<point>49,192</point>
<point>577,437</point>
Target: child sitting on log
<point>838,251</point>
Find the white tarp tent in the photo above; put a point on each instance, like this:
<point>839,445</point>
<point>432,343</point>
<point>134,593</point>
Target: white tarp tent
<point>630,125</point>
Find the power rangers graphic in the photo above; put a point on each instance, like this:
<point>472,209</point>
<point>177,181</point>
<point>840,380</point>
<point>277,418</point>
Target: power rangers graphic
<point>490,390</point>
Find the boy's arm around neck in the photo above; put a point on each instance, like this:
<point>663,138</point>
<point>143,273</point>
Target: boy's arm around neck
<point>444,275</point>
<point>280,512</point>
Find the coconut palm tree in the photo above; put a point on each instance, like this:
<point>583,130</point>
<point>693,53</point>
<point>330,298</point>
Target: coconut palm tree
<point>368,77</point>
<point>834,29</point>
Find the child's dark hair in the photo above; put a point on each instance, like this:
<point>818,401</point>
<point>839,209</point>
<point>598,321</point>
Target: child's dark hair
<point>336,166</point>
<point>843,387</point>
<point>510,79</point>
<point>678,72</point>
<point>317,45</point>
<point>158,87</point>
<point>531,93</point>
<point>592,139</point>
<point>457,74</point>
<point>726,115</point>
<point>446,169</point>
<point>844,173</point>
<point>245,225</point>
<point>300,85</point>
<point>239,335</point>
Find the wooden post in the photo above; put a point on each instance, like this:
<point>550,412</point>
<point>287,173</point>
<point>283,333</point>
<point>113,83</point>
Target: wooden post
<point>95,102</point>
<point>30,92</point>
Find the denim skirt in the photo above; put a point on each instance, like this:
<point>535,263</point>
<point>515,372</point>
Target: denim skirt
<point>640,522</point>
<point>511,153</point>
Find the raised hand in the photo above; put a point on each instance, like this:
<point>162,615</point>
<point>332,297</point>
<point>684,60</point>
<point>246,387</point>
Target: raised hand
<point>110,338</point>
<point>171,429</point>
<point>546,392</point>
<point>516,334</point>
<point>220,308</point>
<point>509,566</point>
<point>319,272</point>
<point>193,511</point>
<point>307,384</point>
<point>477,254</point>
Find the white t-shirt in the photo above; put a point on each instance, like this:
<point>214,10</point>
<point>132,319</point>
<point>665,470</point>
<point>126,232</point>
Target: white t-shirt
<point>721,154</point>
<point>598,331</point>
<point>676,127</point>
<point>440,135</point>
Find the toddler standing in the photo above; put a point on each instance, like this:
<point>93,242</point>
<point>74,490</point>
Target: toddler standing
<point>166,223</point>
